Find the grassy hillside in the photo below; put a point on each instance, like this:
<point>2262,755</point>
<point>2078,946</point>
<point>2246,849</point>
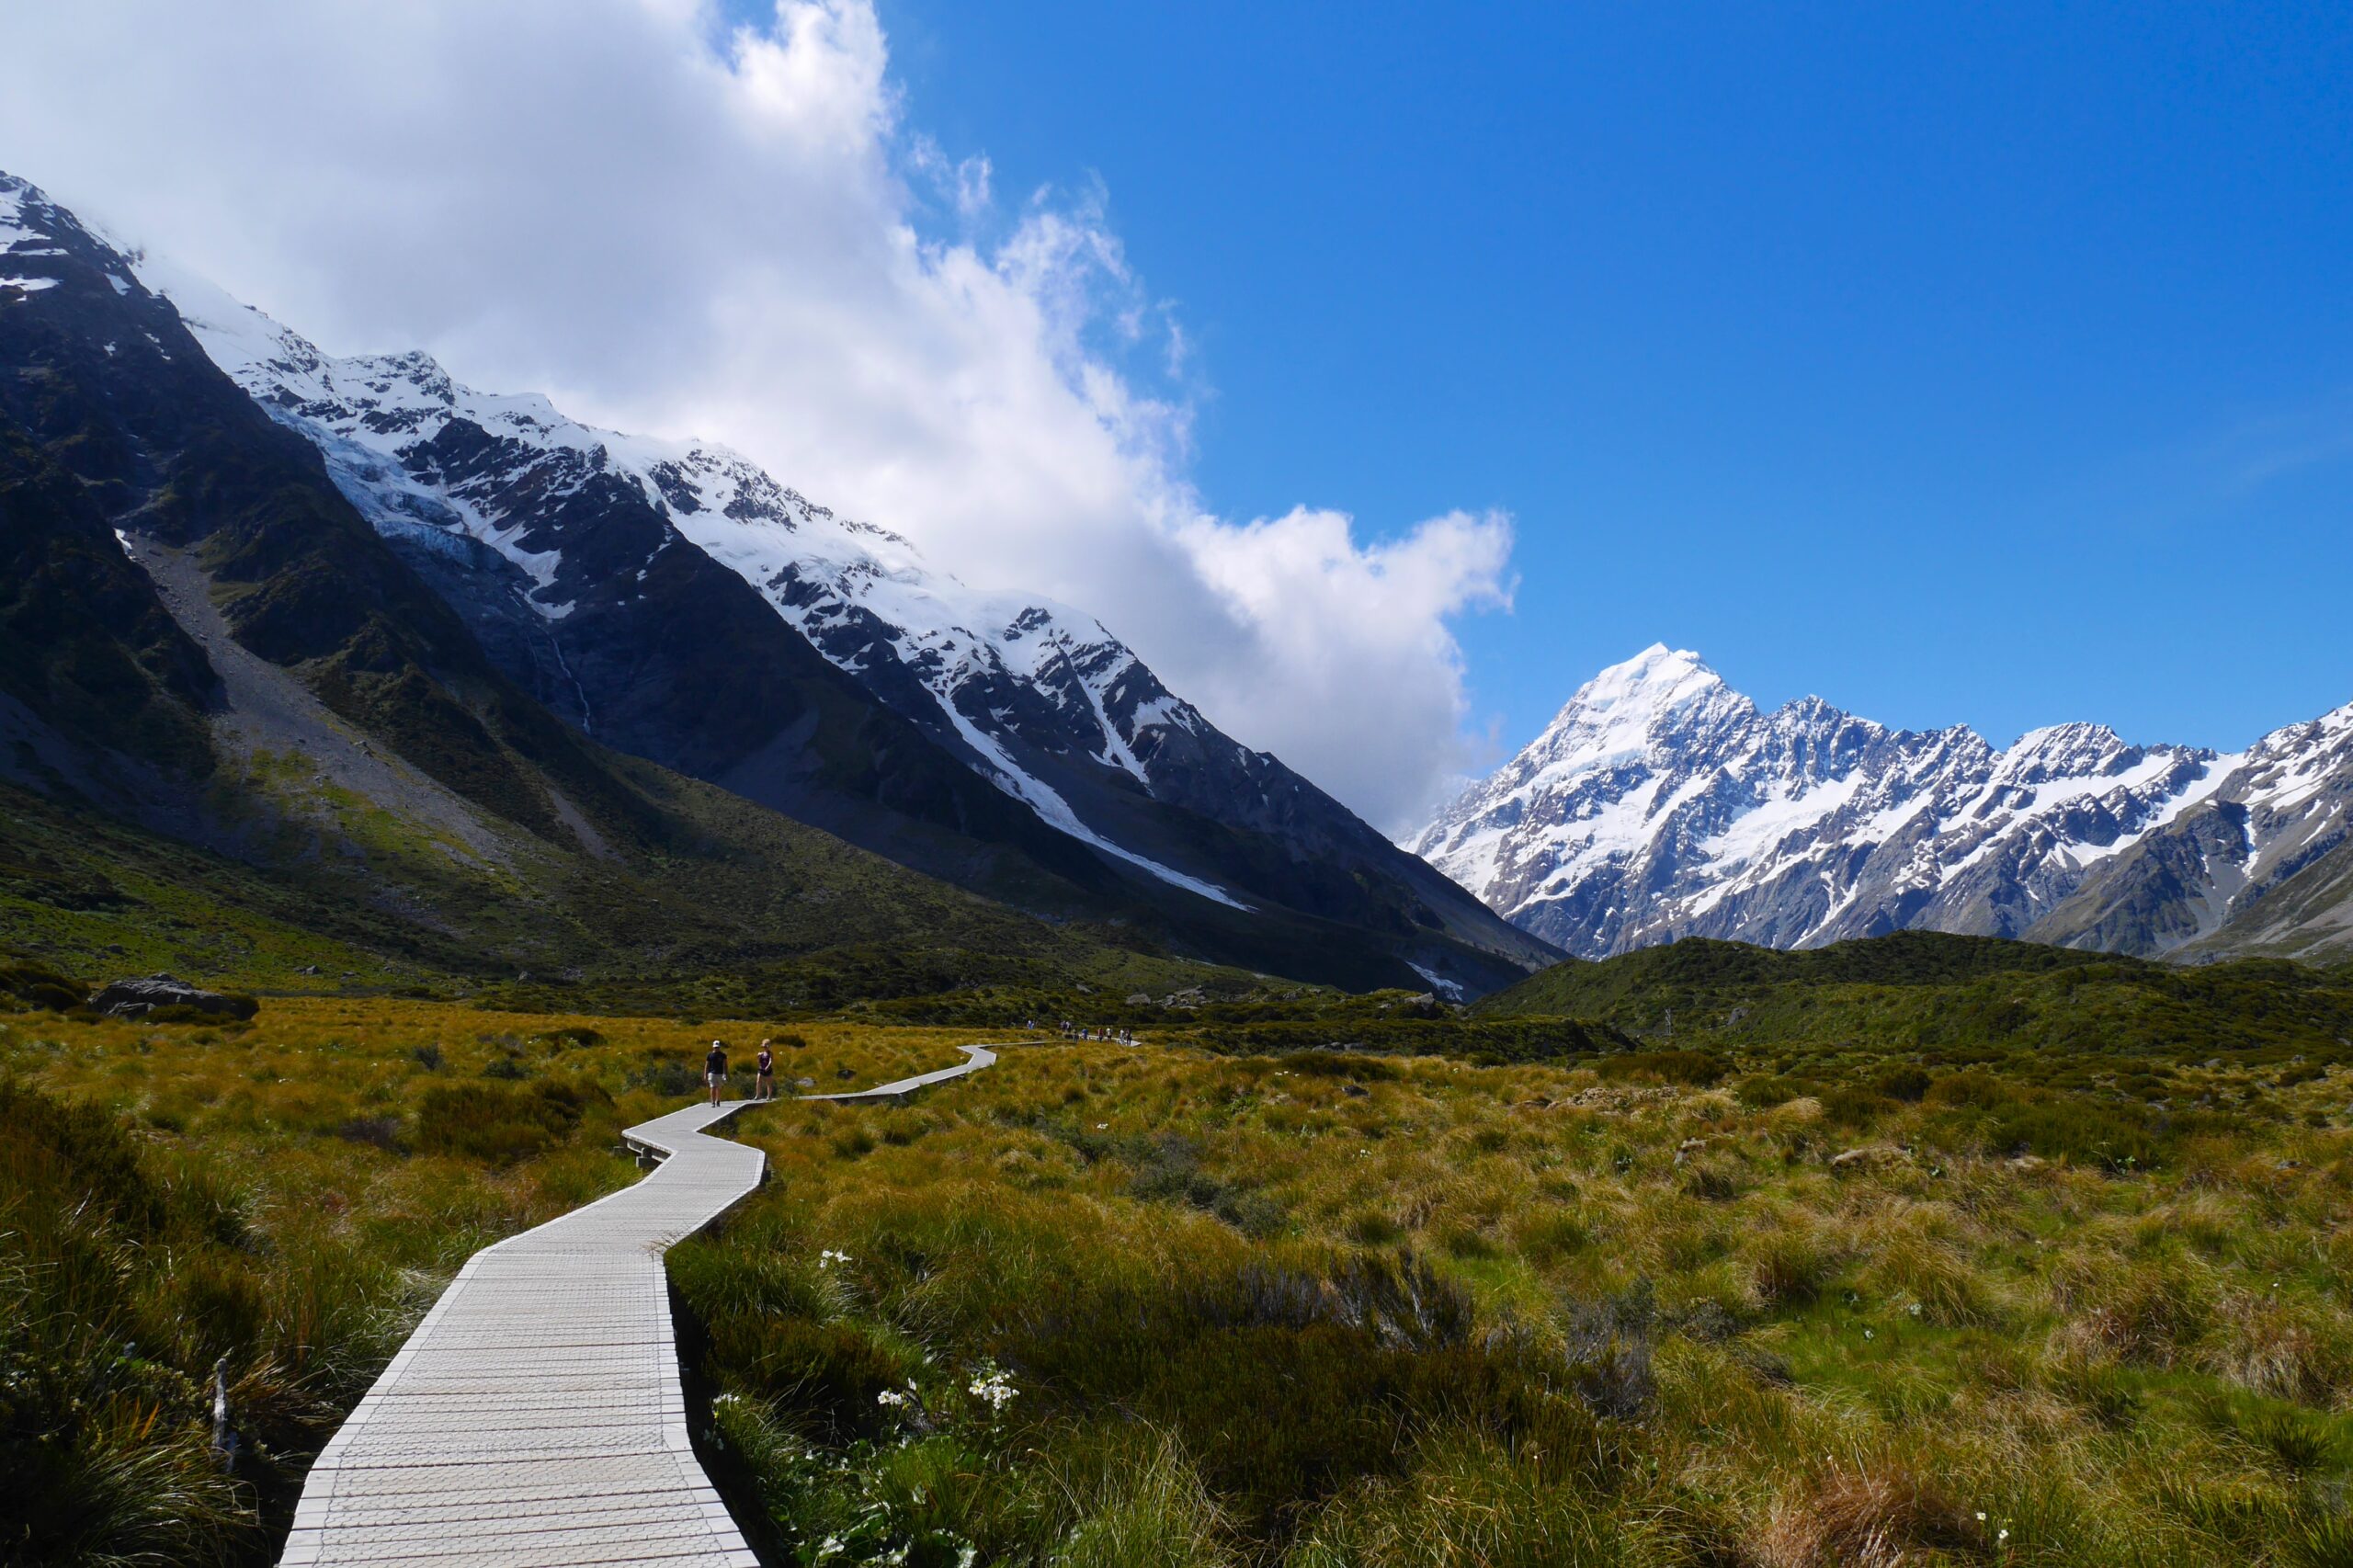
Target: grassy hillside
<point>1946,999</point>
<point>742,910</point>
<point>1181,1307</point>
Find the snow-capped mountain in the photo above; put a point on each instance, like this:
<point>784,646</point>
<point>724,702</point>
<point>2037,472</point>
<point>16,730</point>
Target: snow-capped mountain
<point>651,592</point>
<point>1661,804</point>
<point>434,463</point>
<point>2263,864</point>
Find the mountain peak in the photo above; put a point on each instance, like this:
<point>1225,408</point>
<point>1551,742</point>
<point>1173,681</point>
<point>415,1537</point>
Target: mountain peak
<point>2063,750</point>
<point>1660,803</point>
<point>1657,681</point>
<point>1656,663</point>
<point>28,216</point>
<point>17,192</point>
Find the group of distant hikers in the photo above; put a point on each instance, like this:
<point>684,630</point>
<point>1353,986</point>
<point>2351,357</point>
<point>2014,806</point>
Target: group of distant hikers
<point>714,1063</point>
<point>714,1070</point>
<point>1069,1030</point>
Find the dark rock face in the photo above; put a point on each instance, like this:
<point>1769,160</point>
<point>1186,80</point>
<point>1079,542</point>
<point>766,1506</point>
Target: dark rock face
<point>155,992</point>
<point>113,417</point>
<point>113,420</point>
<point>480,589</point>
<point>679,604</point>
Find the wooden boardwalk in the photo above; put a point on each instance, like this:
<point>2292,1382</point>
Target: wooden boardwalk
<point>534,1419</point>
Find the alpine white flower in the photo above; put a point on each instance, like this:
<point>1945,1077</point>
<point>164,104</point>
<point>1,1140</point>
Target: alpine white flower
<point>994,1388</point>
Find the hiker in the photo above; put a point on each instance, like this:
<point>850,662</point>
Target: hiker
<point>714,1068</point>
<point>765,1089</point>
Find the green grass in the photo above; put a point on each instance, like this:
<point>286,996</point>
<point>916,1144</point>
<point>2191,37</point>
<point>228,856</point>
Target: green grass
<point>93,898</point>
<point>2042,1013</point>
<point>1381,1309</point>
<point>1634,1299</point>
<point>288,1195</point>
<point>749,913</point>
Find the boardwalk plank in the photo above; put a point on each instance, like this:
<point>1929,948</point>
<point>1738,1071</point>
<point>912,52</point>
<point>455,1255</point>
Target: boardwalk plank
<point>535,1418</point>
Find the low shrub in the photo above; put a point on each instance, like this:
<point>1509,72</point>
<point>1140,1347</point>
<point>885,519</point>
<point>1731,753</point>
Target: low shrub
<point>2071,1126</point>
<point>1170,1170</point>
<point>668,1077</point>
<point>1849,1107</point>
<point>1906,1083</point>
<point>242,1011</point>
<point>1339,1064</point>
<point>1484,1042</point>
<point>1693,1067</point>
<point>1765,1093</point>
<point>33,985</point>
<point>1472,1501</point>
<point>1975,1090</point>
<point>2054,1124</point>
<point>499,1125</point>
<point>377,1131</point>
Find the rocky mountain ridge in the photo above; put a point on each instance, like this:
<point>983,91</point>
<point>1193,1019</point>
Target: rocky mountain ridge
<point>1661,804</point>
<point>673,602</point>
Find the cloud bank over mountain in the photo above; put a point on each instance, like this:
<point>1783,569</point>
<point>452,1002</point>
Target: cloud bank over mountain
<point>679,225</point>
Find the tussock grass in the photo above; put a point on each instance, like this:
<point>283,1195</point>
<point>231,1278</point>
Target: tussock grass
<point>289,1196</point>
<point>1533,1314</point>
<point>1169,1305</point>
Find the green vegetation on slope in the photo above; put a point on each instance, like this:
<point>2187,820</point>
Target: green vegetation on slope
<point>1945,999</point>
<point>739,910</point>
<point>1652,1301</point>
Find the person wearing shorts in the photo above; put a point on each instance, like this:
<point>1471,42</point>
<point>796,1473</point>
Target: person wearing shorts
<point>714,1068</point>
<point>765,1089</point>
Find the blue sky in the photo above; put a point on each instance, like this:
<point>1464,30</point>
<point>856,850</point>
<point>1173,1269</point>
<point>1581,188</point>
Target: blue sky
<point>1958,364</point>
<point>1994,365</point>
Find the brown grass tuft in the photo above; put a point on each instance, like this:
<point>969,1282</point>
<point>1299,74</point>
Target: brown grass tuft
<point>1879,1515</point>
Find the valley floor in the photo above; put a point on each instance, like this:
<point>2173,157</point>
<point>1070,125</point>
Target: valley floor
<point>1104,1305</point>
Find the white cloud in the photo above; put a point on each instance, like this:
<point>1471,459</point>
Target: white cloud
<point>675,226</point>
<point>1358,633</point>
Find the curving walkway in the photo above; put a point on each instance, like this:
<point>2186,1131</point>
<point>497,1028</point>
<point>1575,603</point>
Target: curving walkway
<point>977,1057</point>
<point>534,1419</point>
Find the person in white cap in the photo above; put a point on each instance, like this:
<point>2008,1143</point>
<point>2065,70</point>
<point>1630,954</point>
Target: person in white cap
<point>714,1068</point>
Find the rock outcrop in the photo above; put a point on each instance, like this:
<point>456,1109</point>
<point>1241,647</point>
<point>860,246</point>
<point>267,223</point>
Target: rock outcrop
<point>159,993</point>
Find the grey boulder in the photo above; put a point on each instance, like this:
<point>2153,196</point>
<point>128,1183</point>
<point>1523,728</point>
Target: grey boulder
<point>138,998</point>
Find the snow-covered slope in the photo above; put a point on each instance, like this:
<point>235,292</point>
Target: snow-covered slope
<point>2263,864</point>
<point>1661,804</point>
<point>583,559</point>
<point>424,455</point>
